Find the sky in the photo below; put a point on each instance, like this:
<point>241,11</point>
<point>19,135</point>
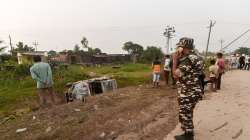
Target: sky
<point>108,24</point>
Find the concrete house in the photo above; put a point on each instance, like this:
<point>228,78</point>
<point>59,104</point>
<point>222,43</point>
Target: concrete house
<point>28,57</point>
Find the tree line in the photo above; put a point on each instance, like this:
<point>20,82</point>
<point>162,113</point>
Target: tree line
<point>139,54</point>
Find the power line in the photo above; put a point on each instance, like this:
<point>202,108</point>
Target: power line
<point>245,42</point>
<point>235,40</point>
<point>35,44</point>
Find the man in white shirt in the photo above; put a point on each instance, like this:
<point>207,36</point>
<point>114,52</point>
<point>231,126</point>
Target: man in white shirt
<point>246,63</point>
<point>167,68</point>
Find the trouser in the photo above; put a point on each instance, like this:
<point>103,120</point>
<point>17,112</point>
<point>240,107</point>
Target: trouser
<point>213,83</point>
<point>202,82</point>
<point>188,98</point>
<point>247,66</point>
<point>166,76</point>
<point>219,81</point>
<point>242,64</point>
<point>156,77</point>
<point>46,94</point>
<point>234,66</point>
<point>173,80</point>
<point>186,112</point>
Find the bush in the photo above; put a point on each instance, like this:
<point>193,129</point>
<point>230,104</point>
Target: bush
<point>22,70</point>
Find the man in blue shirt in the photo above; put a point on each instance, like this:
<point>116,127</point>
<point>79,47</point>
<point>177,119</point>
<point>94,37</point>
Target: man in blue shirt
<point>42,74</point>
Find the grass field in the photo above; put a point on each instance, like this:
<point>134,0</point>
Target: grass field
<point>17,92</point>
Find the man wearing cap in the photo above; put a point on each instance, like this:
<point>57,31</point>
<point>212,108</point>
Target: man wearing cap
<point>189,68</point>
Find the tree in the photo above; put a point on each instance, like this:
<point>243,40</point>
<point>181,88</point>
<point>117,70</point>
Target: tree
<point>97,51</point>
<point>94,51</point>
<point>76,48</point>
<point>243,50</point>
<point>135,50</point>
<point>70,52</point>
<point>52,53</point>
<point>151,53</point>
<point>84,42</point>
<point>2,48</point>
<point>23,48</point>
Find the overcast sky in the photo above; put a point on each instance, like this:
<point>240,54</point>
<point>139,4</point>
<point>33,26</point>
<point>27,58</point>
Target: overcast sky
<point>60,24</point>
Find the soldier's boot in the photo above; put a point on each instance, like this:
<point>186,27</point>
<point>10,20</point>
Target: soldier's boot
<point>185,136</point>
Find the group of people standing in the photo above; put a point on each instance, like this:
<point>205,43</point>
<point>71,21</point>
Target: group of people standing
<point>216,70</point>
<point>240,61</point>
<point>156,66</point>
<point>186,68</point>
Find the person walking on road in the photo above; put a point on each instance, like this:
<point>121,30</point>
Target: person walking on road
<point>156,66</point>
<point>246,67</point>
<point>42,74</point>
<point>167,68</point>
<point>242,61</point>
<point>221,64</point>
<point>190,67</point>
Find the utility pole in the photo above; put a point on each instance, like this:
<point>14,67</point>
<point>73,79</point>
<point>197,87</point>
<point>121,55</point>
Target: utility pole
<point>221,44</point>
<point>35,44</point>
<point>212,23</point>
<point>169,33</point>
<point>11,47</point>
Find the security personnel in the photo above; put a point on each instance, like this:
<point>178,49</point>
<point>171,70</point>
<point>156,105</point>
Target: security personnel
<point>190,67</point>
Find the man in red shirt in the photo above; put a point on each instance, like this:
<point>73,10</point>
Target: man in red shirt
<point>221,64</point>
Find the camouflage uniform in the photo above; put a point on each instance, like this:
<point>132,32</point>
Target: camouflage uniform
<point>189,88</point>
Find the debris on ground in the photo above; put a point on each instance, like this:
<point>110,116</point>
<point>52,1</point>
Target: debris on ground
<point>221,126</point>
<point>6,119</point>
<point>102,135</point>
<point>21,130</point>
<point>77,110</point>
<point>238,134</point>
<point>48,129</point>
<point>96,107</point>
<point>34,117</point>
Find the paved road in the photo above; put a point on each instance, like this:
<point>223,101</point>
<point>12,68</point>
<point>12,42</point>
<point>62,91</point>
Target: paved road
<point>224,115</point>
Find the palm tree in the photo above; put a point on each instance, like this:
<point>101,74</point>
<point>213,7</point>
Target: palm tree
<point>2,48</point>
<point>85,42</point>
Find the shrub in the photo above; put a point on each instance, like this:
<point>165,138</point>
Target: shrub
<point>22,70</point>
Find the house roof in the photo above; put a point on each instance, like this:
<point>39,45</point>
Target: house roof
<point>117,54</point>
<point>101,56</point>
<point>39,53</point>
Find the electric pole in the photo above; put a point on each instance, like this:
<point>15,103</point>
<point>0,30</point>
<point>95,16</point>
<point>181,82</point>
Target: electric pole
<point>35,44</point>
<point>212,23</point>
<point>169,33</point>
<point>11,47</point>
<point>221,44</point>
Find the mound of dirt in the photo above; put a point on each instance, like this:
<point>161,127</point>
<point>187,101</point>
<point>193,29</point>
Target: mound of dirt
<point>129,113</point>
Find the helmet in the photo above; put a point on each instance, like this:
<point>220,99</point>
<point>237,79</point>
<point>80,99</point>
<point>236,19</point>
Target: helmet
<point>186,43</point>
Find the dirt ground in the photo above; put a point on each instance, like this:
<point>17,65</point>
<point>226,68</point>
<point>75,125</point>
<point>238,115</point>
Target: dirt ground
<point>133,113</point>
<point>224,115</point>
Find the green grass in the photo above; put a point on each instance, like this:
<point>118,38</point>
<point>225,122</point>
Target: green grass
<point>15,90</point>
